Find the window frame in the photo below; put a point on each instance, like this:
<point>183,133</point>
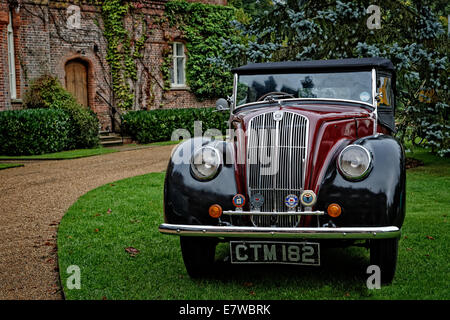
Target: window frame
<point>390,92</point>
<point>11,59</point>
<point>174,79</point>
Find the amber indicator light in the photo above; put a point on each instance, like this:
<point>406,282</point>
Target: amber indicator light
<point>215,211</point>
<point>334,210</point>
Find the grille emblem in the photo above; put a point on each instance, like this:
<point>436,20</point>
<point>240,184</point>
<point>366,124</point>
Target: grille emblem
<point>278,115</point>
<point>291,201</point>
<point>257,201</point>
<point>308,198</point>
<point>239,200</point>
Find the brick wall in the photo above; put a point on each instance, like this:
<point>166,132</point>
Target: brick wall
<point>44,44</point>
<point>4,77</point>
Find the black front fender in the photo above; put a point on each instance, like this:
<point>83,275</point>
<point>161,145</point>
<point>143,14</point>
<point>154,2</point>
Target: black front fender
<point>186,199</point>
<point>377,200</point>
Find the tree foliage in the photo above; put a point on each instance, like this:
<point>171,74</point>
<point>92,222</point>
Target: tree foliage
<point>412,35</point>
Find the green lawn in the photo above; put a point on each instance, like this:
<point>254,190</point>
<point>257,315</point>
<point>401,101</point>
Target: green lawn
<point>10,165</point>
<point>70,154</point>
<point>98,228</point>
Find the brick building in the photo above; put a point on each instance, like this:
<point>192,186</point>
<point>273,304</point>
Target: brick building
<point>64,38</point>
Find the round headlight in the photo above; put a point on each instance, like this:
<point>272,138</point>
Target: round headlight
<point>205,163</point>
<point>354,162</point>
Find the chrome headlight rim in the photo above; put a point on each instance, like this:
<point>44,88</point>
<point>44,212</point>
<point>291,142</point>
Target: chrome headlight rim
<point>361,176</point>
<point>196,174</point>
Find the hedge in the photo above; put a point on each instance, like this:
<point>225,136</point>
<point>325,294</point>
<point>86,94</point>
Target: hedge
<point>158,125</point>
<point>47,92</point>
<point>34,131</point>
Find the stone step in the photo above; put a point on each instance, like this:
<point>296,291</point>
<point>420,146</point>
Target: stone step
<point>110,137</point>
<point>111,143</point>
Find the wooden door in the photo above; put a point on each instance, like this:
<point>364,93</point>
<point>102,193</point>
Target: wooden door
<point>76,80</point>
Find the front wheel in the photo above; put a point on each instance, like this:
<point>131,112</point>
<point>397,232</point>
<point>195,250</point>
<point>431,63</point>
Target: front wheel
<point>383,253</point>
<point>198,255</point>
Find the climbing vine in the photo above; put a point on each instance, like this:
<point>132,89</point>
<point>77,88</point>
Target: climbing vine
<point>165,68</point>
<point>122,50</point>
<point>118,51</point>
<point>204,28</point>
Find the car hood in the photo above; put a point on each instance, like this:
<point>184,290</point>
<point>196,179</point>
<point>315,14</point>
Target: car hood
<point>322,112</point>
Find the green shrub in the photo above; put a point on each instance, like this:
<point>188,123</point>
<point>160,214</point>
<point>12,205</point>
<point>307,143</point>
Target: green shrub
<point>30,132</point>
<point>47,92</point>
<point>158,125</point>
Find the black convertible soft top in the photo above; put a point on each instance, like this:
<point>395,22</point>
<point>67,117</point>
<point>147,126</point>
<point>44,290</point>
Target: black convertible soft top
<point>317,65</point>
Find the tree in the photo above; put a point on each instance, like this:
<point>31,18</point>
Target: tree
<point>412,35</point>
<point>252,8</point>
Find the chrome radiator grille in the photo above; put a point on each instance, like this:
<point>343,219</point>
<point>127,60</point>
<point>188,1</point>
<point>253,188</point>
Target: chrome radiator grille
<point>276,159</point>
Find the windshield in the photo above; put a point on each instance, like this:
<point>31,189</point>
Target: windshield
<point>355,86</point>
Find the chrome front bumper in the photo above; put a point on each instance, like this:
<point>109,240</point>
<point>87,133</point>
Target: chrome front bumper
<point>280,233</point>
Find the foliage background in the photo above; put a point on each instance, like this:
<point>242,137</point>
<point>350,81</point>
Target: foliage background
<point>158,125</point>
<point>204,29</point>
<point>412,35</point>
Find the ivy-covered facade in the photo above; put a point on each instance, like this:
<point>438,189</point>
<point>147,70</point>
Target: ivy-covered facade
<point>113,55</point>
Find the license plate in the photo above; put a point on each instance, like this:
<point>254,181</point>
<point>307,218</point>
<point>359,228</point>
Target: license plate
<point>300,253</point>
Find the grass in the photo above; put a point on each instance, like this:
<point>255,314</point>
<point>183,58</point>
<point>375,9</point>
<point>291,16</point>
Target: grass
<point>10,165</point>
<point>63,155</point>
<point>98,228</point>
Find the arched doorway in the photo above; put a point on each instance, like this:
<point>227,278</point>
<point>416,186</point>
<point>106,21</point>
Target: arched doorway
<point>77,80</point>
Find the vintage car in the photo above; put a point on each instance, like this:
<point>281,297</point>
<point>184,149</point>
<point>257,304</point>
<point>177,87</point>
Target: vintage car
<point>310,161</point>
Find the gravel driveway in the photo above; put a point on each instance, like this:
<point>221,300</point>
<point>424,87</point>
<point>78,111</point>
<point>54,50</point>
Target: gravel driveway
<point>34,198</point>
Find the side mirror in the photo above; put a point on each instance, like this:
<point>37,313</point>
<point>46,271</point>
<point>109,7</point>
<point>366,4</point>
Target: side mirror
<point>222,105</point>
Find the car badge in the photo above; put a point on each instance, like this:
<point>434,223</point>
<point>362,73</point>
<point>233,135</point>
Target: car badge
<point>308,198</point>
<point>239,200</point>
<point>278,115</point>
<point>257,200</point>
<point>291,201</point>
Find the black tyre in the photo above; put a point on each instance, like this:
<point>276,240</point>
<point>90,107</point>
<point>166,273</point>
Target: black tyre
<point>383,253</point>
<point>198,255</point>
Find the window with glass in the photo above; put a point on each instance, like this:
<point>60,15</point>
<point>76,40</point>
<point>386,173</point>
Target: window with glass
<point>356,86</point>
<point>177,72</point>
<point>384,91</point>
<point>11,59</point>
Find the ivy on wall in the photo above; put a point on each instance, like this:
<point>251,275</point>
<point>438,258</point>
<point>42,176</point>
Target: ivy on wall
<point>204,28</point>
<point>118,51</point>
<point>122,50</point>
